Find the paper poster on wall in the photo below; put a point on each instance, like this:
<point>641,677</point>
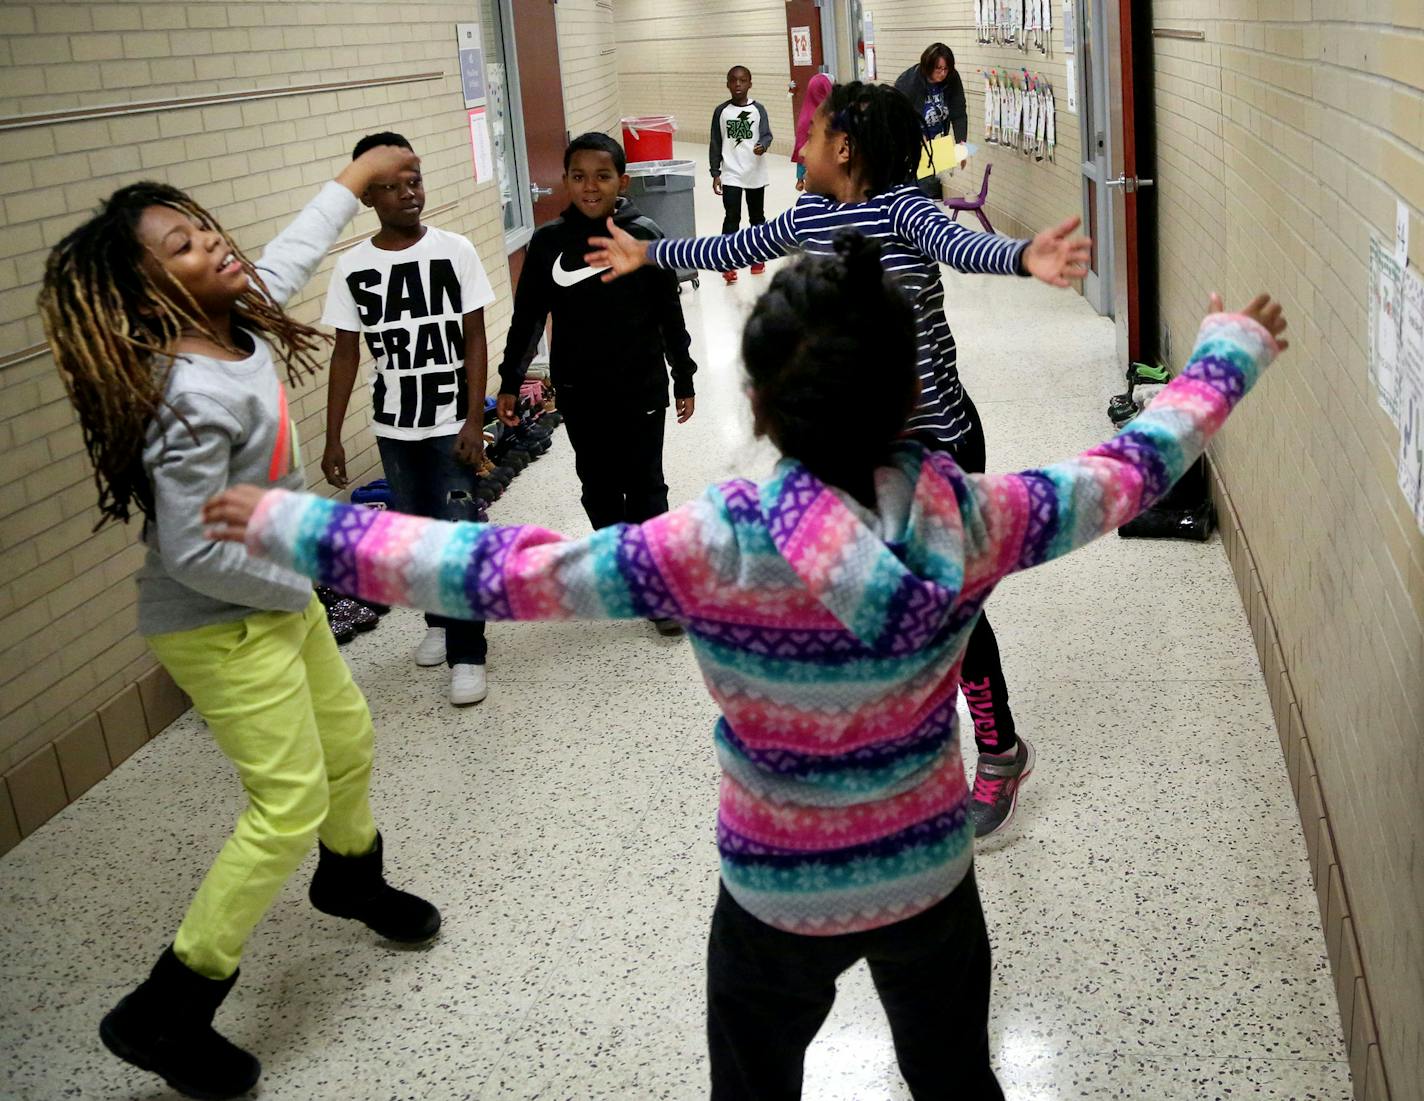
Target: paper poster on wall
<point>1384,311</point>
<point>869,61</point>
<point>1070,28</point>
<point>1401,233</point>
<point>800,45</point>
<point>1411,394</point>
<point>472,63</point>
<point>480,147</point>
<point>1071,72</point>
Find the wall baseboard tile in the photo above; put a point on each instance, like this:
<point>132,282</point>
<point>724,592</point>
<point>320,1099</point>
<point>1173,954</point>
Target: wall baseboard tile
<point>1351,984</point>
<point>55,775</point>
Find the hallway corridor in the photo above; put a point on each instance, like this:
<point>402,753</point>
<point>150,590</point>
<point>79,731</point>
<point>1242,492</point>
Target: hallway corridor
<point>1155,929</point>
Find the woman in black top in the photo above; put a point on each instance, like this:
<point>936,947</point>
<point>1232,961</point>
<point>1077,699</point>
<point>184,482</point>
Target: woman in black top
<point>936,91</point>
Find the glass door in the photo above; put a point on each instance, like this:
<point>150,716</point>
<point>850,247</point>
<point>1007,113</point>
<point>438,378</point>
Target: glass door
<point>506,122</point>
<point>1096,159</point>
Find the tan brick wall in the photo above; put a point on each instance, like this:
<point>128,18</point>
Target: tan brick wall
<point>588,60</point>
<point>1024,195</point>
<point>1285,140</point>
<point>67,641</point>
<point>673,57</point>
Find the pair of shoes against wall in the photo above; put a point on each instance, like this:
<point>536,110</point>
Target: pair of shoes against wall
<point>348,616</point>
<point>468,683</point>
<point>166,1025</point>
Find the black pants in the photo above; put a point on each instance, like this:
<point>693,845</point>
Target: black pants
<point>618,456</point>
<point>981,656</point>
<point>768,992</point>
<point>427,480</point>
<point>732,205</point>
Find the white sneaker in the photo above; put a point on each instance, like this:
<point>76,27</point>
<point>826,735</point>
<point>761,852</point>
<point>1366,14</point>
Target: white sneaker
<point>431,650</point>
<point>467,684</point>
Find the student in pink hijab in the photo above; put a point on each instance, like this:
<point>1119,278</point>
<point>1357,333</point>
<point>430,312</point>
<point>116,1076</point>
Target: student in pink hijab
<point>817,90</point>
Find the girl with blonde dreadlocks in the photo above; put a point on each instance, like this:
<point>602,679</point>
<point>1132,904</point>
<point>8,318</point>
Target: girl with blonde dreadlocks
<point>168,338</point>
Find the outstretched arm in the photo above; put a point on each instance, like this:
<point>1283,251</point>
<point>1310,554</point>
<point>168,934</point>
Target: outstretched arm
<point>1055,256</point>
<point>1016,521</point>
<point>292,256</point>
<point>475,571</point>
<point>621,253</point>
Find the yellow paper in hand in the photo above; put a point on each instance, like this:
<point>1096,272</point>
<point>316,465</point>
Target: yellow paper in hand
<point>941,155</point>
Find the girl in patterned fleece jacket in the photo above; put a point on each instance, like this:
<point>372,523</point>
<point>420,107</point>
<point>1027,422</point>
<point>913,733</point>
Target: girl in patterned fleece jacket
<point>828,608</point>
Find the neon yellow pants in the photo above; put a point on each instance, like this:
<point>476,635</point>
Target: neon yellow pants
<point>279,699</point>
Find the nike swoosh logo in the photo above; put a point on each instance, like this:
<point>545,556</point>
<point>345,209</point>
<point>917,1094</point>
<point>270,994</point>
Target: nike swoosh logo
<point>565,278</point>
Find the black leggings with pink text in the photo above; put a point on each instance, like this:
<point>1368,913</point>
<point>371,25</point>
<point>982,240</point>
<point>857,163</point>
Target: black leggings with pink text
<point>981,678</point>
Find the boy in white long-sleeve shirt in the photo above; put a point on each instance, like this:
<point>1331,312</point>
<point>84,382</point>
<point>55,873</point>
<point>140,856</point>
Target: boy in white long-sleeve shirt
<point>741,135</point>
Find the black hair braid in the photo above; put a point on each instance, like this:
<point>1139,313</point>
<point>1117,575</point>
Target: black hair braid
<point>886,136</point>
<point>830,354</point>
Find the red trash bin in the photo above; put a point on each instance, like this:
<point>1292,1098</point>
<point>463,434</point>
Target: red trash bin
<point>649,137</point>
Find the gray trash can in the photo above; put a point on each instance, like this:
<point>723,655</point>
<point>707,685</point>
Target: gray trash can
<point>663,191</point>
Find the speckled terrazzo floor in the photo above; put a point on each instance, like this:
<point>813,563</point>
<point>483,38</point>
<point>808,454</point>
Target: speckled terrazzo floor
<point>1155,930</point>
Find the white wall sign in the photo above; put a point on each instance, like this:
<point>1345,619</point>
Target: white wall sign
<point>1385,304</point>
<point>480,148</point>
<point>800,45</point>
<point>1070,28</point>
<point>1411,396</point>
<point>1401,233</point>
<point>472,63</point>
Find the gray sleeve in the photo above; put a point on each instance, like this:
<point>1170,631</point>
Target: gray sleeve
<point>764,139</point>
<point>187,464</point>
<point>714,146</point>
<point>291,257</point>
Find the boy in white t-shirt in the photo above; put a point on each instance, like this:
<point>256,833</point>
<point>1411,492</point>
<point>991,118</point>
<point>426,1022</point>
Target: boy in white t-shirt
<point>416,294</point>
<point>741,135</point>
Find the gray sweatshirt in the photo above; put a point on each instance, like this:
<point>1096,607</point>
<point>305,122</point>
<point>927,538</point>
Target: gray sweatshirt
<point>237,431</point>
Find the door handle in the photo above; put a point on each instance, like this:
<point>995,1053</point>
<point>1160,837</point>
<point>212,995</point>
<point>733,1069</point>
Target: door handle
<point>1129,184</point>
<point>791,87</point>
<point>536,192</point>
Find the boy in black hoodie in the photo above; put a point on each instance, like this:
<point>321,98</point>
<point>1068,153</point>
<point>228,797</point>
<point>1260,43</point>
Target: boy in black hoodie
<point>611,345</point>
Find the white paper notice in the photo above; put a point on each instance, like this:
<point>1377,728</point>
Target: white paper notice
<point>480,146</point>
<point>800,45</point>
<point>1070,29</point>
<point>1071,70</point>
<point>1411,396</point>
<point>1384,307</point>
<point>1401,233</point>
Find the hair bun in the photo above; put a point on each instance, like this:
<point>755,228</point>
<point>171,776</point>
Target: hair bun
<point>860,257</point>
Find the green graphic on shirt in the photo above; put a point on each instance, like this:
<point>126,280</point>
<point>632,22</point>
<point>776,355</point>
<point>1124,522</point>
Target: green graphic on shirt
<point>739,129</point>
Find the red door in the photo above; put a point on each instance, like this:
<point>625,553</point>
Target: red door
<point>541,91</point>
<point>803,48</point>
<point>1135,305</point>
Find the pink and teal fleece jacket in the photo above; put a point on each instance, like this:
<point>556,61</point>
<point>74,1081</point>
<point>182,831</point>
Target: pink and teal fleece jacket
<point>829,634</point>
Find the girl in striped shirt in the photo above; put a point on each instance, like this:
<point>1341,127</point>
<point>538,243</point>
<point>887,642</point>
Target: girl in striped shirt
<point>861,158</point>
<point>828,608</point>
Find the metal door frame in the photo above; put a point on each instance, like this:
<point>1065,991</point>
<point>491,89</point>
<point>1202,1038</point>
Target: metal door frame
<point>516,238</point>
<point>1095,128</point>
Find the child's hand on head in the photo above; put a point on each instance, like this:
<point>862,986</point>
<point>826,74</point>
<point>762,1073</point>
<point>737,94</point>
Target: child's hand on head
<point>380,162</point>
<point>1056,257</point>
<point>226,516</point>
<point>1262,310</point>
<point>621,253</point>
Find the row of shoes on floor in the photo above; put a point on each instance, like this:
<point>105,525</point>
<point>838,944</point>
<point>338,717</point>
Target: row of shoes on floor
<point>509,451</point>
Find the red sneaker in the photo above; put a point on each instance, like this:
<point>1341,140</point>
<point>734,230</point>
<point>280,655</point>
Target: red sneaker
<point>758,268</point>
<point>730,276</point>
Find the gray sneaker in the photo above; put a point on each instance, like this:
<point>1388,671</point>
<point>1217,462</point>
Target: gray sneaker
<point>996,788</point>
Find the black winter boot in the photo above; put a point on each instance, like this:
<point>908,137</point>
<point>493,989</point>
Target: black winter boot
<point>354,887</point>
<point>166,1026</point>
